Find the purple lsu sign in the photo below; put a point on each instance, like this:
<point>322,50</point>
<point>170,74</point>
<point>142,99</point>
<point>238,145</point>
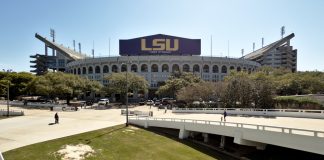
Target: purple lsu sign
<point>159,44</point>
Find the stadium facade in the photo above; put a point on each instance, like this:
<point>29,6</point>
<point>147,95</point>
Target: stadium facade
<point>156,57</point>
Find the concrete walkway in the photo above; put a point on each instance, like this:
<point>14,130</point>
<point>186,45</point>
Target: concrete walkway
<point>34,126</point>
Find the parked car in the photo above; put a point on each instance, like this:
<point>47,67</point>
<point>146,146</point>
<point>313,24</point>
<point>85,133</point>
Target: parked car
<point>89,102</point>
<point>104,101</point>
<point>141,103</point>
<point>157,103</point>
<point>167,101</point>
<point>149,102</point>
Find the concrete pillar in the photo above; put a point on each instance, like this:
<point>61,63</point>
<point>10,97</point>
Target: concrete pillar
<point>46,53</point>
<point>183,133</point>
<point>206,137</point>
<point>222,143</point>
<point>261,146</point>
<point>146,124</point>
<point>239,140</point>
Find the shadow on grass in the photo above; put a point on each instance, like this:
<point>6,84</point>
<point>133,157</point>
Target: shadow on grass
<point>88,140</point>
<point>217,154</point>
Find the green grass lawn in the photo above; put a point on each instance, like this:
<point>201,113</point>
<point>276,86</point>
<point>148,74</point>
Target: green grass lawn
<point>116,143</point>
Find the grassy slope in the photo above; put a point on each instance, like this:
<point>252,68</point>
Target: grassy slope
<point>113,143</point>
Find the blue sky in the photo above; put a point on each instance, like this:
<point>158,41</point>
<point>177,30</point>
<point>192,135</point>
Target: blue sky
<point>235,21</point>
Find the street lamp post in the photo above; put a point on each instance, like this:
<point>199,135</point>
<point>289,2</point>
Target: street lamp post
<point>8,100</point>
<point>126,90</point>
<point>126,96</point>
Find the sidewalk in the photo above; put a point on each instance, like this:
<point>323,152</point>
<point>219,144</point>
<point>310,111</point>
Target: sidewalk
<point>35,126</point>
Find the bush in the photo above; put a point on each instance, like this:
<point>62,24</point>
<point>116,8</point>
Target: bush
<point>297,102</point>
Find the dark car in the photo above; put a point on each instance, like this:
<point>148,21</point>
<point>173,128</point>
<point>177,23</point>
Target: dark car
<point>89,102</point>
<point>157,103</point>
<point>167,101</point>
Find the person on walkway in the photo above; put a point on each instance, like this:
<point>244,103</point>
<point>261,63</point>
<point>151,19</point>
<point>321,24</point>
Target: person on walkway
<point>165,109</point>
<point>56,118</point>
<point>225,114</point>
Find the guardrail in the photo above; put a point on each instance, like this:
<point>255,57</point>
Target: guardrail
<point>35,104</point>
<point>4,112</point>
<point>137,113</point>
<point>285,130</point>
<point>256,112</point>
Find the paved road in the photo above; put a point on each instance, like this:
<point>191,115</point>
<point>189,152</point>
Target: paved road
<point>34,126</point>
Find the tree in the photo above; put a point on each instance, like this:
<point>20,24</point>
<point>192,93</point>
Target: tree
<point>205,91</point>
<point>18,83</point>
<point>238,92</point>
<point>117,83</point>
<point>176,82</point>
<point>60,84</point>
<point>263,90</point>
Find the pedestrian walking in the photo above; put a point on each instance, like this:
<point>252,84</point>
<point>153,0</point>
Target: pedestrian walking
<point>225,114</point>
<point>165,109</point>
<point>56,117</point>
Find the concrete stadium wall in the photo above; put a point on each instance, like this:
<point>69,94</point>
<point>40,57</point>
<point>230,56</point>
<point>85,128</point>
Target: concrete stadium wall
<point>256,112</point>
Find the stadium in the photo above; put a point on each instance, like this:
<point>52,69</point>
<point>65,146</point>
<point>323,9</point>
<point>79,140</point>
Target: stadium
<point>156,57</point>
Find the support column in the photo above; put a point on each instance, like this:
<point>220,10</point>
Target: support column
<point>146,124</point>
<point>46,53</point>
<point>206,137</point>
<point>222,143</point>
<point>183,133</point>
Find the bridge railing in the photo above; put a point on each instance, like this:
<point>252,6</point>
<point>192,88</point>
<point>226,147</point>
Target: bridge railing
<point>4,112</point>
<point>286,130</point>
<point>303,113</point>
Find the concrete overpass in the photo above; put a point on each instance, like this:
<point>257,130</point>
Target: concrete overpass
<point>243,133</point>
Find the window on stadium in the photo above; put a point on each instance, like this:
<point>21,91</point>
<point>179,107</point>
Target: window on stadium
<point>206,69</point>
<point>165,68</point>
<point>186,68</point>
<point>90,70</point>
<point>123,68</point>
<point>97,69</point>
<point>175,68</point>
<point>134,68</point>
<point>114,68</point>
<point>215,69</point>
<point>224,69</point>
<point>105,69</point>
<point>196,68</point>
<point>144,68</point>
<point>154,68</point>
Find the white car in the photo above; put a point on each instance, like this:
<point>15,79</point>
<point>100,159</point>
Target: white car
<point>104,101</point>
<point>149,102</point>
